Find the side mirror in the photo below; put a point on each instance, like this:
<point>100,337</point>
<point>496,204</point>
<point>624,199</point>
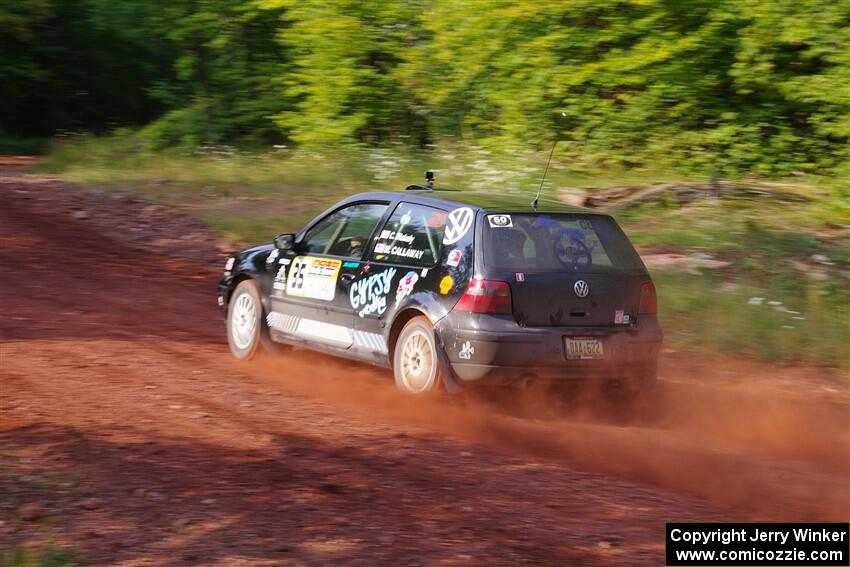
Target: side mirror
<point>284,241</point>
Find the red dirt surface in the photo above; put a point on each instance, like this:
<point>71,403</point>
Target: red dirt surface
<point>130,436</point>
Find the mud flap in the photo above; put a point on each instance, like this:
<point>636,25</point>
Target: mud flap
<point>446,373</point>
<point>269,344</point>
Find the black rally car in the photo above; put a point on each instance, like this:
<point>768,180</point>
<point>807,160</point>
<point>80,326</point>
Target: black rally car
<point>449,287</point>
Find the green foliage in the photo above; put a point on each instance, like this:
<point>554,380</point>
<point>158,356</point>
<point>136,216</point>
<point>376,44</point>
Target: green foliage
<point>226,63</point>
<point>347,80</point>
<point>15,145</point>
<point>718,86</point>
<point>709,87</point>
<point>50,557</point>
<point>63,71</point>
<point>782,320</point>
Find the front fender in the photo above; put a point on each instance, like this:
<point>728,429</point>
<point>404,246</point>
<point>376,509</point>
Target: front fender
<point>249,263</point>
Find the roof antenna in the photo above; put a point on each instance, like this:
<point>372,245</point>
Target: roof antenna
<point>542,179</point>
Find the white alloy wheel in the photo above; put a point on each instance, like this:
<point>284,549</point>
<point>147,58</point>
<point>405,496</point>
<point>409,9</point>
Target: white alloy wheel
<point>243,320</point>
<point>415,363</point>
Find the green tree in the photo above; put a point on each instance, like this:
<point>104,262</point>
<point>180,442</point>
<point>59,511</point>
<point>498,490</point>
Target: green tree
<point>346,80</point>
<point>63,71</point>
<point>735,84</point>
<point>226,64</point>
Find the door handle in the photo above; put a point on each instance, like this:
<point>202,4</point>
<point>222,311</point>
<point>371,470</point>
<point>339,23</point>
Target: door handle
<point>346,279</point>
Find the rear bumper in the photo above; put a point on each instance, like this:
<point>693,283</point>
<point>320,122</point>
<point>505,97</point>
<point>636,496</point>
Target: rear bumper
<point>495,347</point>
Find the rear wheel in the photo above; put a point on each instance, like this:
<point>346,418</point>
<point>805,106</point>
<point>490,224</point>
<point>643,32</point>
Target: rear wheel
<point>244,314</point>
<point>415,361</point>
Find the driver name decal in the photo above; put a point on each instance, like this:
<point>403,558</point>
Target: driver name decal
<point>369,295</point>
<point>396,236</point>
<point>314,278</point>
<point>390,246</point>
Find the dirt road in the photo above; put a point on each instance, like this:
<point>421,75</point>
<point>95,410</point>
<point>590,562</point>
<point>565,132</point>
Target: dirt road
<point>130,436</point>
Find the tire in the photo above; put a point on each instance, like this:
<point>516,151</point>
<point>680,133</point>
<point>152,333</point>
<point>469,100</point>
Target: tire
<point>416,363</point>
<point>244,320</point>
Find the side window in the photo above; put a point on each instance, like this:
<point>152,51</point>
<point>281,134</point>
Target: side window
<point>344,232</point>
<point>413,235</point>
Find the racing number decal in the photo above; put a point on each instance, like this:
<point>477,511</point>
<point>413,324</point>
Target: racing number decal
<point>458,223</point>
<point>313,277</point>
<point>497,221</point>
<point>296,276</point>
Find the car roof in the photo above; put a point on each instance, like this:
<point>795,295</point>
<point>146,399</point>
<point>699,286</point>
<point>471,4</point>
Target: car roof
<point>486,201</point>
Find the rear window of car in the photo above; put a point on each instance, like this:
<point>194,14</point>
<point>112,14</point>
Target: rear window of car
<point>413,236</point>
<point>530,242</point>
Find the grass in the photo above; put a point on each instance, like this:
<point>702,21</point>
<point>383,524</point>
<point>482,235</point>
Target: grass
<point>784,321</point>
<point>793,254</point>
<point>50,557</point>
<point>22,146</point>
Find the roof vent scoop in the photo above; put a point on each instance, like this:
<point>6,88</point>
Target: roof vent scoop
<point>429,186</point>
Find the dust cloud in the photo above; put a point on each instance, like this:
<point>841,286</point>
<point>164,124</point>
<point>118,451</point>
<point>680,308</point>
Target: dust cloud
<point>752,448</point>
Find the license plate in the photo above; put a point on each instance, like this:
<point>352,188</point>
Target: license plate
<point>584,349</point>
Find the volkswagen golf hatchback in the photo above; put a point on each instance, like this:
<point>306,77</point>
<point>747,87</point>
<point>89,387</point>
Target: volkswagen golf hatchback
<point>449,288</point>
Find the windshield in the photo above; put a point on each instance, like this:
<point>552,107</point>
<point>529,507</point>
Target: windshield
<point>556,242</point>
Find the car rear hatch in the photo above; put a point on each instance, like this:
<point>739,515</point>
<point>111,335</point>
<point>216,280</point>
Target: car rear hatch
<point>564,269</point>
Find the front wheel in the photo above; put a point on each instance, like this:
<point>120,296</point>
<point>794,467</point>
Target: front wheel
<point>243,320</point>
<point>415,362</point>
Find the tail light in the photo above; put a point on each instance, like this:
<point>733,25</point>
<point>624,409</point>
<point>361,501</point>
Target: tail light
<point>486,296</point>
<point>648,300</point>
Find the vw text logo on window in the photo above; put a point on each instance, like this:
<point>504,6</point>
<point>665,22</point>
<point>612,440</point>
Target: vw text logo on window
<point>581,288</point>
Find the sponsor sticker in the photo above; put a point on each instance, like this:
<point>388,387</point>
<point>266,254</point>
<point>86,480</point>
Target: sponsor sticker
<point>351,264</point>
<point>313,277</point>
<point>466,351</point>
<point>618,317</point>
<point>368,296</point>
<point>626,319</point>
<point>458,223</point>
<point>437,220</point>
<point>446,285</point>
<point>405,286</point>
<point>424,272</point>
<point>272,256</point>
<point>520,277</point>
<point>453,258</point>
<point>500,221</point>
<point>280,279</point>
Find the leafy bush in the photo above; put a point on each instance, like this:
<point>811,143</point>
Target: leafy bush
<point>708,87</point>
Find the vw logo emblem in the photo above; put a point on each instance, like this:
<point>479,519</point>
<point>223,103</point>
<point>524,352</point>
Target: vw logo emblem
<point>581,288</point>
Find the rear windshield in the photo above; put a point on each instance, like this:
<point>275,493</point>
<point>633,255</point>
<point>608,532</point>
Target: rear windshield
<point>553,242</point>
